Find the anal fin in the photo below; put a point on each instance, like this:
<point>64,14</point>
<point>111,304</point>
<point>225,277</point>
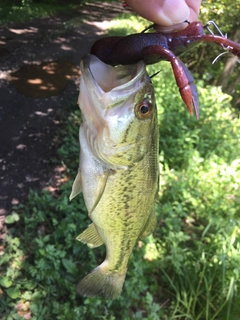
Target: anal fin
<point>91,237</point>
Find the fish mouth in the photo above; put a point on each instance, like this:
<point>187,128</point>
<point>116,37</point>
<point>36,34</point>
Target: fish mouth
<point>107,78</point>
<point>108,87</point>
<point>106,90</point>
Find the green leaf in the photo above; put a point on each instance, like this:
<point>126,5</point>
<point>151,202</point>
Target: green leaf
<point>11,218</point>
<point>69,265</point>
<point>27,295</point>
<point>30,285</point>
<point>13,293</point>
<point>5,282</point>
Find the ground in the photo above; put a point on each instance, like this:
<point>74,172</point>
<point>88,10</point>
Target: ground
<point>39,76</point>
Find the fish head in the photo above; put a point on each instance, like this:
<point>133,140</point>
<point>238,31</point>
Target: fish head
<point>118,109</point>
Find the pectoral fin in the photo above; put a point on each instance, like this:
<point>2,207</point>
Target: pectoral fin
<point>77,186</point>
<point>91,237</point>
<point>101,185</point>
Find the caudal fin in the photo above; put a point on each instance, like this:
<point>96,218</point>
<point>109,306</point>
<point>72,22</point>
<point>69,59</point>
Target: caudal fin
<point>101,283</point>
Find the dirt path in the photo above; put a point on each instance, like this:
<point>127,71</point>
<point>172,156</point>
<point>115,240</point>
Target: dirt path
<point>28,125</point>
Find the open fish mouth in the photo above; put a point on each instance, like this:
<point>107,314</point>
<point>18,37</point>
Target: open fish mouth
<point>108,87</point>
<point>107,78</point>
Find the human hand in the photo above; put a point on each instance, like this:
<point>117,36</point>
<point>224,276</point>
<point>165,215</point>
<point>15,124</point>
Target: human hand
<point>168,15</point>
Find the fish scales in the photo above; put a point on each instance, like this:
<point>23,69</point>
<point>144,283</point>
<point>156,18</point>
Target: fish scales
<point>118,171</point>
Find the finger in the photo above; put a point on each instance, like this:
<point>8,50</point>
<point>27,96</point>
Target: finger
<point>167,14</point>
<point>194,6</point>
<point>162,12</point>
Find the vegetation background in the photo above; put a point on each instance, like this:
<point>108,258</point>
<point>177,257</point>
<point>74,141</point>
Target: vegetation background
<point>190,267</point>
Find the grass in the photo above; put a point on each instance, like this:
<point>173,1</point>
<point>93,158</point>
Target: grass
<point>11,14</point>
<point>189,269</point>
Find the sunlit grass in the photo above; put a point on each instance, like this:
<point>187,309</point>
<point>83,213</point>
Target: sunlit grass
<point>16,14</point>
<point>126,23</point>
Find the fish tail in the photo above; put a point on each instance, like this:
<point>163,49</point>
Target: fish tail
<point>101,282</point>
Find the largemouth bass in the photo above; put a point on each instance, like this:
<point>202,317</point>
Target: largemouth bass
<point>118,171</point>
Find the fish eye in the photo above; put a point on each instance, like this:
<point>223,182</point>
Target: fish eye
<point>144,109</point>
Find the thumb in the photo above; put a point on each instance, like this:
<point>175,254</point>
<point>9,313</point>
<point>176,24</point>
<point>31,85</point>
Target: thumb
<point>166,13</point>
